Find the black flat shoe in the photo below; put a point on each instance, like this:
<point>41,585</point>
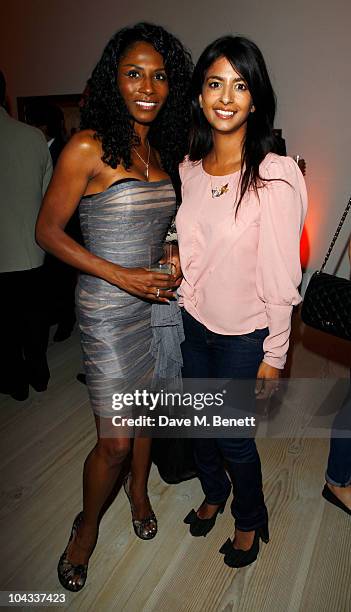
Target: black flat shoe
<point>21,393</point>
<point>201,527</point>
<point>241,558</point>
<point>38,385</point>
<point>71,576</point>
<point>330,497</point>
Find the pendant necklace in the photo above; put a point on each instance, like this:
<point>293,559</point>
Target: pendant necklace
<point>146,163</point>
<point>217,192</point>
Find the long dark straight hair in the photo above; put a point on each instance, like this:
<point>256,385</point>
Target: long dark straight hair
<point>247,60</point>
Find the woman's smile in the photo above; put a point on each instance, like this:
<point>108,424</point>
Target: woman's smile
<point>146,105</point>
<point>224,114</point>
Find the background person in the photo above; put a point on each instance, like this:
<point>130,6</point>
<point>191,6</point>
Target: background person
<point>25,171</point>
<point>337,489</point>
<point>60,278</point>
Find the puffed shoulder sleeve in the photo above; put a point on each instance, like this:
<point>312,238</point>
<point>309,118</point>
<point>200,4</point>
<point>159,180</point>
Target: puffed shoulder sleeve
<point>283,205</point>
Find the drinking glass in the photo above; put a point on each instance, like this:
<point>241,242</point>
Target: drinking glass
<point>163,253</point>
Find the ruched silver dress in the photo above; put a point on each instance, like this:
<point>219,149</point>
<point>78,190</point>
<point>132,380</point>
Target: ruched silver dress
<point>122,225</point>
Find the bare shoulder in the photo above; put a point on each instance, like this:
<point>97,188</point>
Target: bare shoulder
<point>82,154</point>
<point>85,142</point>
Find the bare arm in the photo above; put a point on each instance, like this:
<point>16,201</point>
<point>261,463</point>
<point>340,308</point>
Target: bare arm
<point>79,162</point>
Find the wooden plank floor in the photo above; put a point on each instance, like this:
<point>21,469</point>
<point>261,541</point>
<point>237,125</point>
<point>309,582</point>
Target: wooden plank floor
<point>44,441</point>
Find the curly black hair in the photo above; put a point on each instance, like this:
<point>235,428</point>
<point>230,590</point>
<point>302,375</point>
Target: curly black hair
<point>103,108</point>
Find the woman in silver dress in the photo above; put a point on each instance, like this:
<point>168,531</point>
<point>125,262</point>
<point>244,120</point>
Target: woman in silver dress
<point>119,169</point>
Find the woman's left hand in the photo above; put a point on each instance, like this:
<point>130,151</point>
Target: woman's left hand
<point>267,382</point>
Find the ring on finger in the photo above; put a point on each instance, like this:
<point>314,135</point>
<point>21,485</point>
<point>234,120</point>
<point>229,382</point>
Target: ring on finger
<point>157,292</point>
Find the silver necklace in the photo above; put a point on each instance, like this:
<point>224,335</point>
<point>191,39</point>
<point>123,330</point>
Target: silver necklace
<point>146,163</point>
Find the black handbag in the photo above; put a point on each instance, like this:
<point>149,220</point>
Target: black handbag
<point>327,302</point>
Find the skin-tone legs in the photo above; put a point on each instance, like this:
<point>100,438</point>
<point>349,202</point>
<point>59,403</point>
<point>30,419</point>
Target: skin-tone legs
<point>102,468</point>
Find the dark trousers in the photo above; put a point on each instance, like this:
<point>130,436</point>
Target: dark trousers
<point>23,330</point>
<point>339,461</point>
<point>210,355</point>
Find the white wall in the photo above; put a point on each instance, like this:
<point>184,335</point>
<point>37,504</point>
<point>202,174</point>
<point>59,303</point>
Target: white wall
<point>50,47</point>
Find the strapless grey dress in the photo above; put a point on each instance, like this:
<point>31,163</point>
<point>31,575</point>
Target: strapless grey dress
<point>121,225</point>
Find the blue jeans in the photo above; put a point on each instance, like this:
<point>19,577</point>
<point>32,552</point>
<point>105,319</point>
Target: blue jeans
<point>339,461</point>
<point>210,355</point>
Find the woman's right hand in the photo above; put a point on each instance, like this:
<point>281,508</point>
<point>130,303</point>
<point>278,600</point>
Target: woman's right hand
<point>144,284</point>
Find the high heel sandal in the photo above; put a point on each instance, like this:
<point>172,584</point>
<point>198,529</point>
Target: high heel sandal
<point>234,557</point>
<point>146,528</point>
<point>71,576</point>
<point>201,527</point>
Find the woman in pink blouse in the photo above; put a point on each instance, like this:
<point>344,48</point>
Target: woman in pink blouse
<point>239,230</point>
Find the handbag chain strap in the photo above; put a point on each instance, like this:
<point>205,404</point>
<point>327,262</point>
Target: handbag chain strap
<point>331,246</point>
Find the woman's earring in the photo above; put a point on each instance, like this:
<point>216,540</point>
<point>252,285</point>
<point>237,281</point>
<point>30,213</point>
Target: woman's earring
<point>252,109</point>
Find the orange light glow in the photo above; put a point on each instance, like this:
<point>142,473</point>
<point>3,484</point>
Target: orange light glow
<point>304,248</point>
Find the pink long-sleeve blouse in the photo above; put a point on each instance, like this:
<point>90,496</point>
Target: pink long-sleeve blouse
<point>242,274</point>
